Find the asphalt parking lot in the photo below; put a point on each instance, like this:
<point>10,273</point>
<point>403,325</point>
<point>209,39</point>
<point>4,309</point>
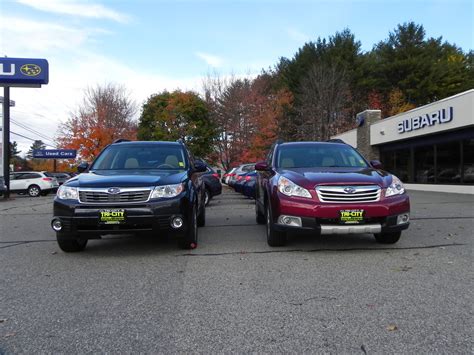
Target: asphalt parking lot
<point>332,294</point>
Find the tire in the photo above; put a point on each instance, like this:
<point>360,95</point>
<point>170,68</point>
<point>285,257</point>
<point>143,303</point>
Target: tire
<point>207,196</point>
<point>387,238</point>
<point>201,218</point>
<point>259,217</point>
<point>189,239</point>
<point>71,245</point>
<point>34,191</point>
<point>274,238</point>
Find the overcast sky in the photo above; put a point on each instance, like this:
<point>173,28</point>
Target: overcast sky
<point>152,45</point>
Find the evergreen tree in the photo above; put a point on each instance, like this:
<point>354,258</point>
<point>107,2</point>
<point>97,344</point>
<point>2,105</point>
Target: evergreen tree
<point>37,145</point>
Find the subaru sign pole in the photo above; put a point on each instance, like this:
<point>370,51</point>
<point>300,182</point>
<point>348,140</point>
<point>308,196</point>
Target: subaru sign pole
<point>17,72</point>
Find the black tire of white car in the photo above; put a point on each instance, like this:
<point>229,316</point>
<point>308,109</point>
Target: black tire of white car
<point>387,238</point>
<point>274,238</point>
<point>71,245</point>
<point>190,238</point>
<point>34,191</point>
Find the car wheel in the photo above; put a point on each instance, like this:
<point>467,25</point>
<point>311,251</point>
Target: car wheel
<point>207,196</point>
<point>34,191</point>
<point>274,238</point>
<point>190,237</point>
<point>201,219</point>
<point>387,238</point>
<point>71,245</point>
<point>259,217</point>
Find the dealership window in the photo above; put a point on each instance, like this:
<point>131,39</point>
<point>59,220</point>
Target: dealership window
<point>388,160</point>
<point>424,165</point>
<point>448,163</point>
<point>468,155</point>
<point>446,158</point>
<point>402,164</point>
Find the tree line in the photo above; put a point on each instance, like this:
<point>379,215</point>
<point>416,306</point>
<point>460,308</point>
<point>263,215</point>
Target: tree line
<point>311,96</point>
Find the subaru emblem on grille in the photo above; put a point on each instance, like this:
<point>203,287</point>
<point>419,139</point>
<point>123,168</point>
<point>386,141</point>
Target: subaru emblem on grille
<point>349,190</point>
<point>113,190</point>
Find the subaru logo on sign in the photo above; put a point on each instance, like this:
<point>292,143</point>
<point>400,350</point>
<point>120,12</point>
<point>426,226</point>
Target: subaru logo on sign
<point>349,190</point>
<point>113,190</point>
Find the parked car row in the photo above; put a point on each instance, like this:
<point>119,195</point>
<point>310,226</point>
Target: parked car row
<point>212,183</point>
<point>245,184</point>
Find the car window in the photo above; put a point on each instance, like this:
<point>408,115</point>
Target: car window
<point>248,168</point>
<point>128,157</point>
<point>32,176</point>
<point>318,156</point>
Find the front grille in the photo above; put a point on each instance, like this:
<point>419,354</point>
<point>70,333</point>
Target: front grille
<point>348,194</point>
<point>126,195</point>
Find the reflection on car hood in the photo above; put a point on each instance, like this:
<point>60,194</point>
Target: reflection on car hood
<point>127,178</point>
<point>310,177</point>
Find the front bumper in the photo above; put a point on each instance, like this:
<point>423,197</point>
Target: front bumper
<point>153,216</point>
<point>380,217</point>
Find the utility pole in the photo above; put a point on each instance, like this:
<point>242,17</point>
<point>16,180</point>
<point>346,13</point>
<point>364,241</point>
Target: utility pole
<point>6,139</point>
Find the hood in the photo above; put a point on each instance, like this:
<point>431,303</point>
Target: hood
<point>129,178</point>
<point>310,177</point>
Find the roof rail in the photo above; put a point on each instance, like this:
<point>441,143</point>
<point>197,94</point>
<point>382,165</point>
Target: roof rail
<point>336,140</point>
<point>120,140</point>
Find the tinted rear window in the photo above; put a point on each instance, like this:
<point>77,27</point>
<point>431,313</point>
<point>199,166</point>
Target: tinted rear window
<point>318,156</point>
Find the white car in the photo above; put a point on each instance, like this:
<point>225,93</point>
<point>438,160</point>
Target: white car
<point>34,183</point>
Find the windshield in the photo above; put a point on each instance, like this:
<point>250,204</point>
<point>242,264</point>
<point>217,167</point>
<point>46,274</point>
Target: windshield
<point>318,156</point>
<point>128,157</point>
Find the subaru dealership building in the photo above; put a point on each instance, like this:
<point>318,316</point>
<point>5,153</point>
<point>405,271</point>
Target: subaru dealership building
<point>429,148</point>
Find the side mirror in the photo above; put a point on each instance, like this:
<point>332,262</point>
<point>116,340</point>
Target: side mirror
<point>82,167</point>
<point>199,166</point>
<point>376,164</point>
<point>262,166</point>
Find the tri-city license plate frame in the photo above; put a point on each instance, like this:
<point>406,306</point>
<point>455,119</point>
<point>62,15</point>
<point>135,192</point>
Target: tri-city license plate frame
<point>353,216</point>
<point>112,216</point>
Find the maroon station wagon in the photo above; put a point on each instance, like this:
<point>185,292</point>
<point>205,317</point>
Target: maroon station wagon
<point>328,188</point>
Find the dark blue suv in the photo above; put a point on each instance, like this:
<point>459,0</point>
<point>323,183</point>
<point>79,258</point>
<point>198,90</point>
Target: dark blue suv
<point>132,187</point>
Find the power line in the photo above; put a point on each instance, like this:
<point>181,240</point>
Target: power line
<point>31,139</point>
<point>31,130</point>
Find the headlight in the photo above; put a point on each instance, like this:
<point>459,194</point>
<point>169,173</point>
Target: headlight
<point>167,191</point>
<point>67,193</point>
<point>395,188</point>
<point>289,188</point>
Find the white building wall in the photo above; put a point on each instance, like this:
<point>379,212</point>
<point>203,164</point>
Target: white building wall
<point>428,116</point>
<point>349,137</point>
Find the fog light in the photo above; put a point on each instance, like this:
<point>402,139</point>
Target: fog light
<point>290,221</point>
<point>177,222</point>
<point>57,225</point>
<point>403,218</point>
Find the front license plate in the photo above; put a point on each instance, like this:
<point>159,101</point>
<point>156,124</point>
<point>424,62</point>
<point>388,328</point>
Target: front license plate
<point>112,216</point>
<point>351,216</point>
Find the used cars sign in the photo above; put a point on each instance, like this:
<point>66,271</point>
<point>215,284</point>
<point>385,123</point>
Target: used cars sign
<point>54,153</point>
<point>23,72</point>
